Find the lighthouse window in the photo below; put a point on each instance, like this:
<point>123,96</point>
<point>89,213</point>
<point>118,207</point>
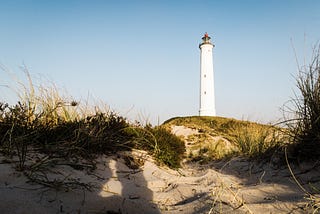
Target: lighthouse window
<point>205,76</point>
<point>205,92</point>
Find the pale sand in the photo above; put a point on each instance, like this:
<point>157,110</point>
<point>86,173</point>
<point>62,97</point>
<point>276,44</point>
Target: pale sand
<point>237,186</point>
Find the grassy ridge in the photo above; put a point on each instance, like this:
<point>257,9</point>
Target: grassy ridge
<point>220,137</point>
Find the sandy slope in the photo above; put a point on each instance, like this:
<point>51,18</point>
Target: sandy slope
<point>237,186</point>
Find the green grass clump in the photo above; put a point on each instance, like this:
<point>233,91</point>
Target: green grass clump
<point>167,148</point>
<point>256,142</point>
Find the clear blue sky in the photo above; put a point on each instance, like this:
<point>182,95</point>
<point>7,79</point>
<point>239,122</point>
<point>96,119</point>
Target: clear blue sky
<point>142,57</point>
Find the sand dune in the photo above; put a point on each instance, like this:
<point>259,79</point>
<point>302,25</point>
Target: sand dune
<point>116,186</point>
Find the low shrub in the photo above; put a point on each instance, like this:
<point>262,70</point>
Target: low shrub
<point>167,148</point>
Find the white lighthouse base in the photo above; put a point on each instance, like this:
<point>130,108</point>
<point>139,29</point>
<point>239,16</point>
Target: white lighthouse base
<point>207,112</point>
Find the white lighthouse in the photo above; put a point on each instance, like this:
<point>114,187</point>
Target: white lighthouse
<point>207,99</point>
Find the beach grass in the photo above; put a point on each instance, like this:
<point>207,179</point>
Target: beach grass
<point>57,125</point>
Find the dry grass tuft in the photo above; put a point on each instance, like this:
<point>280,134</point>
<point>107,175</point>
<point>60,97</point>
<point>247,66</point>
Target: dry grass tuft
<point>303,112</point>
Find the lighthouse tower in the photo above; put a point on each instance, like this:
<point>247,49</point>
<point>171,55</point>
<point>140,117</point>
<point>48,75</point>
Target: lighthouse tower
<point>207,99</point>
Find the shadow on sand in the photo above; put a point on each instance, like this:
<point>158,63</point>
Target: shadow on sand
<point>111,188</point>
<point>125,189</point>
